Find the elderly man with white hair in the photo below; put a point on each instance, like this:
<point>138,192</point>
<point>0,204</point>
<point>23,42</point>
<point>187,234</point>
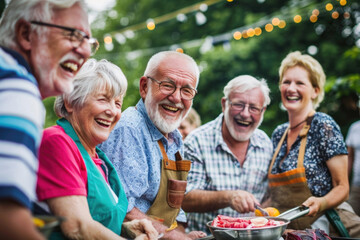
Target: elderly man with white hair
<point>230,156</point>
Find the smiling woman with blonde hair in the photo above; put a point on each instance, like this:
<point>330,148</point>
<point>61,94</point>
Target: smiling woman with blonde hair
<point>309,165</point>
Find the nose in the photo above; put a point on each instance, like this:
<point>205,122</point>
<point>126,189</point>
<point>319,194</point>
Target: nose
<point>292,86</point>
<point>111,110</point>
<point>84,48</point>
<point>176,96</point>
<point>245,112</point>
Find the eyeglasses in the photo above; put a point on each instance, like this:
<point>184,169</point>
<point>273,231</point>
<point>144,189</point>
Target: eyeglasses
<point>241,106</point>
<point>168,88</point>
<point>76,36</point>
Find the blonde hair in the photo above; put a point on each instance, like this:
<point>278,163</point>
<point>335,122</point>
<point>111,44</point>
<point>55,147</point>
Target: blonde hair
<point>312,66</point>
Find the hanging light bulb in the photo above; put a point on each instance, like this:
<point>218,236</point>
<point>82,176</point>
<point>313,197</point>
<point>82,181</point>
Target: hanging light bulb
<point>150,24</point>
<point>297,19</point>
<point>200,18</point>
<point>237,35</point>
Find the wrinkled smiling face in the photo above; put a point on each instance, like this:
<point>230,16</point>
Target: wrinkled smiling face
<point>53,58</point>
<point>94,121</point>
<point>242,124</point>
<point>167,111</point>
<point>165,114</point>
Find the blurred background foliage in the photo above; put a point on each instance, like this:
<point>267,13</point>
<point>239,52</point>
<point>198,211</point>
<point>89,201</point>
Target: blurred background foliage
<point>206,30</point>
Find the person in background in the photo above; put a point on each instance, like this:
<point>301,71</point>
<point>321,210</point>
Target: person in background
<point>146,147</point>
<point>190,123</point>
<point>76,180</point>
<point>353,146</point>
<point>43,44</point>
<point>230,156</point>
<point>309,164</point>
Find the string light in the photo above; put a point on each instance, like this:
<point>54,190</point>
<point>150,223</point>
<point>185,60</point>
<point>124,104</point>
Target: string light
<point>258,31</point>
<point>335,15</point>
<point>244,32</point>
<point>313,18</point>
<point>329,7</point>
<point>251,32</point>
<point>282,24</point>
<point>237,35</point>
<point>150,24</point>
<point>275,21</point>
<point>297,19</point>
<point>269,27</point>
<point>315,12</point>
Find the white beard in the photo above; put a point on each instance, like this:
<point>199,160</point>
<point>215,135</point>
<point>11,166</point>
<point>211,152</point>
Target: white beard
<point>164,124</point>
<point>238,136</point>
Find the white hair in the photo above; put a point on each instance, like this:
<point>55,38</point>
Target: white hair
<point>244,83</point>
<point>157,58</point>
<point>30,10</point>
<point>93,76</point>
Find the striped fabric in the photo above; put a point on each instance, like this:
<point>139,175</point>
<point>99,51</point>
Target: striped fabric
<point>215,168</point>
<point>22,117</point>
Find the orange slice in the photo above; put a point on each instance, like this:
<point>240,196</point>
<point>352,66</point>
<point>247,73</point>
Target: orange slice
<point>273,212</point>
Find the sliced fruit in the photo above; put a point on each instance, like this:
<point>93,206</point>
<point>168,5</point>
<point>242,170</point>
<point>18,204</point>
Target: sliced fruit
<point>38,222</point>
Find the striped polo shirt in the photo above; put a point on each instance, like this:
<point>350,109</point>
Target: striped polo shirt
<point>22,115</point>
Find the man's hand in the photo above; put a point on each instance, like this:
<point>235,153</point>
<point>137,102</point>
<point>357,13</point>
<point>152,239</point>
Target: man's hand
<point>196,234</point>
<point>140,229</point>
<point>242,201</point>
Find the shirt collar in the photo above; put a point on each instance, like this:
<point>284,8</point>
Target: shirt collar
<point>155,134</point>
<point>19,58</point>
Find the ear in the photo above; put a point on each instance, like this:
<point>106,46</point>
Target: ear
<point>223,103</point>
<point>68,107</point>
<point>143,87</point>
<point>315,93</point>
<point>22,33</point>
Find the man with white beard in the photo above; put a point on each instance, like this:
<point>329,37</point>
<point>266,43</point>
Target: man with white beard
<point>230,156</point>
<point>145,146</point>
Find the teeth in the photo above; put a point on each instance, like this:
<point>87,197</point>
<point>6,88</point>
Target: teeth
<point>242,122</point>
<point>72,66</point>
<point>174,109</point>
<point>292,98</point>
<point>103,122</point>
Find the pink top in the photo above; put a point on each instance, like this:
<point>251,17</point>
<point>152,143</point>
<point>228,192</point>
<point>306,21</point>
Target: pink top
<point>62,170</point>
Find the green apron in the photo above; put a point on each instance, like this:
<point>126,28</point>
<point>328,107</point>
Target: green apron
<point>102,205</point>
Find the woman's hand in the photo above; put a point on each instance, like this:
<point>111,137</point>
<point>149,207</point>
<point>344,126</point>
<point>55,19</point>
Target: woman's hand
<point>315,204</point>
<point>140,229</point>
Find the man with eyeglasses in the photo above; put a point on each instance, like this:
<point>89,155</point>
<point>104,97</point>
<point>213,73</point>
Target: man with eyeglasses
<point>43,44</point>
<point>146,148</point>
<point>230,156</point>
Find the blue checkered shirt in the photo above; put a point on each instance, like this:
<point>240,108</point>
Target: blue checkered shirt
<point>215,168</point>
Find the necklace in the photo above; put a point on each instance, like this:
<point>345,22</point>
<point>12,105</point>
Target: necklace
<point>291,128</point>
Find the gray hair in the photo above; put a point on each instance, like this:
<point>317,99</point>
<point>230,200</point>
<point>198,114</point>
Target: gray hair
<point>30,10</point>
<point>244,83</point>
<point>157,58</point>
<point>94,76</point>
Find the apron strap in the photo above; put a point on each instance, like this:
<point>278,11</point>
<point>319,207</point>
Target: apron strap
<point>178,164</point>
<point>303,134</point>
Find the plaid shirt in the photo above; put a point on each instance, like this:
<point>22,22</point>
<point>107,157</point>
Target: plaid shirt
<point>215,168</point>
